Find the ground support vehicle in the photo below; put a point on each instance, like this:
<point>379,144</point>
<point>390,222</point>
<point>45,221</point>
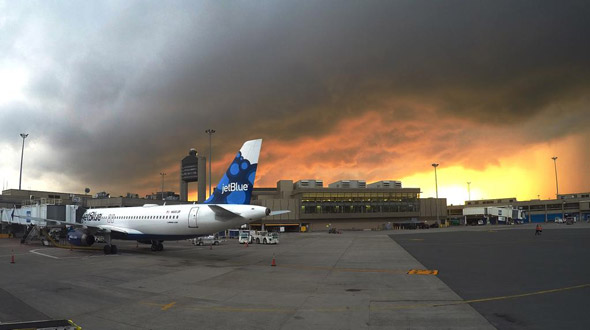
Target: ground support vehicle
<point>264,237</point>
<point>206,240</point>
<point>245,236</point>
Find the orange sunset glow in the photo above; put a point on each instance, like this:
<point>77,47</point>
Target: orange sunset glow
<point>494,159</point>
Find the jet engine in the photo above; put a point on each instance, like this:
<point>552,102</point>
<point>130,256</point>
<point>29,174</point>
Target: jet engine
<point>78,237</point>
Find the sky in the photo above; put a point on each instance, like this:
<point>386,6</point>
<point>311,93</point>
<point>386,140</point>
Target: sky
<point>112,93</point>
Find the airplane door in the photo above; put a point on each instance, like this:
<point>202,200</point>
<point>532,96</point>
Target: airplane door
<point>192,217</point>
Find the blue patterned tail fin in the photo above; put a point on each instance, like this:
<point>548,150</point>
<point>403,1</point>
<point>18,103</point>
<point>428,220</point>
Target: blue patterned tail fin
<point>237,183</point>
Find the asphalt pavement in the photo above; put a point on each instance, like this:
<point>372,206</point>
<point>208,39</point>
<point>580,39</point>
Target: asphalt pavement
<point>515,279</point>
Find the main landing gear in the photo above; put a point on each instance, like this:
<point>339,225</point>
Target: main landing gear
<point>109,248</point>
<point>157,246</point>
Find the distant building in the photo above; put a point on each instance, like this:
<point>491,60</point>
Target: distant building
<point>166,195</point>
<point>309,184</point>
<point>348,184</point>
<point>575,206</point>
<point>385,184</point>
<point>102,194</point>
<point>345,204</point>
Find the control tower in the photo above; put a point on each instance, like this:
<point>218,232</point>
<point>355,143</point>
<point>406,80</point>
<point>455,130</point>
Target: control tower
<point>193,168</point>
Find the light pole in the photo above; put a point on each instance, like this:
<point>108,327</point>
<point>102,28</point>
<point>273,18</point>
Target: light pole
<point>556,185</point>
<point>163,175</point>
<point>210,132</point>
<point>469,189</point>
<point>24,136</point>
<point>436,186</point>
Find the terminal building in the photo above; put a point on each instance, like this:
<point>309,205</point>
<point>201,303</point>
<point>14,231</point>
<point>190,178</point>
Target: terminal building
<point>567,206</point>
<point>348,205</point>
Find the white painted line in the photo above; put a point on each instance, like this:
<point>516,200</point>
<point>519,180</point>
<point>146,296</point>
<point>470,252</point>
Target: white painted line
<point>43,254</point>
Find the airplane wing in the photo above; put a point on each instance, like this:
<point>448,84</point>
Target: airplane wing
<point>221,213</point>
<point>109,228</point>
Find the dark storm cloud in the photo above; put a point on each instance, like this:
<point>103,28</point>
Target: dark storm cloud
<point>137,87</point>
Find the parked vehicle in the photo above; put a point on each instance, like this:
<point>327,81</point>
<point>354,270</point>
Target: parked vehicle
<point>271,238</point>
<point>264,237</point>
<point>206,240</point>
<point>245,237</point>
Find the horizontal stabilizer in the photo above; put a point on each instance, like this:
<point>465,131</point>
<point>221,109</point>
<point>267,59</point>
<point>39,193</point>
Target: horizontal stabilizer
<point>222,213</point>
<point>278,212</point>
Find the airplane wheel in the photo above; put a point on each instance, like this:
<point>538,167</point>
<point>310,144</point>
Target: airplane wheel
<point>160,246</point>
<point>107,249</point>
<point>114,249</point>
<point>154,247</point>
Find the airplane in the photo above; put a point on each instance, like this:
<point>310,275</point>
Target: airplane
<point>228,207</point>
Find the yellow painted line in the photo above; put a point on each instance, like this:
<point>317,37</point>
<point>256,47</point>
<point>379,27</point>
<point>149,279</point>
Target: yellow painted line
<point>423,272</point>
<point>472,301</point>
<point>166,307</point>
<point>416,239</point>
<point>528,294</point>
<point>344,309</point>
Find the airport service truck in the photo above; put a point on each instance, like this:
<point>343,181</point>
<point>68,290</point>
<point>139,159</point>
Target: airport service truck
<point>245,236</point>
<point>265,237</point>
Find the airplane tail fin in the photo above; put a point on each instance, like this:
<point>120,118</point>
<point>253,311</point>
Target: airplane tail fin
<point>237,183</point>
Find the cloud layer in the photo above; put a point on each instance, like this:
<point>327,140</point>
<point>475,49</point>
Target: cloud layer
<point>117,92</point>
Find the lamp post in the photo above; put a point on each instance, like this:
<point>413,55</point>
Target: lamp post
<point>163,175</point>
<point>436,187</point>
<point>210,132</point>
<point>469,189</point>
<point>24,136</point>
<point>556,185</point>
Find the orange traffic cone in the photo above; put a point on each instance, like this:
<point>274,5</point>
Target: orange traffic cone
<point>273,260</point>
<point>12,258</point>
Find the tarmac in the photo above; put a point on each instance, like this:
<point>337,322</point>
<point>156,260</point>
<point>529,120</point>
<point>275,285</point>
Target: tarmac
<point>353,280</point>
<point>515,279</point>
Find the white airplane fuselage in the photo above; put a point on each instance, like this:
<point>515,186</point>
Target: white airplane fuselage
<point>152,222</point>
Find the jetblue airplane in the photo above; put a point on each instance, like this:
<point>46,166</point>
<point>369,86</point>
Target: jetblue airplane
<point>228,207</point>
